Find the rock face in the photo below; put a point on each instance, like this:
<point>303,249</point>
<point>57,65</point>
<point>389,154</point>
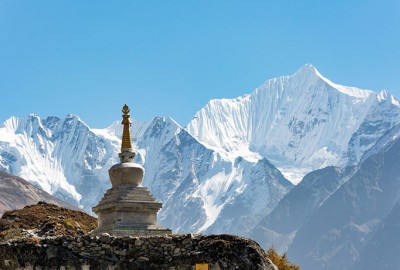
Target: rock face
<point>151,252</point>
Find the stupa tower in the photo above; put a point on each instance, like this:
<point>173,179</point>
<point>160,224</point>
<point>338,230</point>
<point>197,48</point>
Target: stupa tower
<point>127,208</point>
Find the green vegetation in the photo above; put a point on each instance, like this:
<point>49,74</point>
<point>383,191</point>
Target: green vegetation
<point>281,261</point>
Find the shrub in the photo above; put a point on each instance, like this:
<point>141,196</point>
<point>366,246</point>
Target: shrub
<point>281,261</point>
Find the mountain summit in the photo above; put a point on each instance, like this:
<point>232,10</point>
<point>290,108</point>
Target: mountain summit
<point>300,122</point>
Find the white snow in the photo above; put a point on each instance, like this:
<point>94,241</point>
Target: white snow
<point>294,175</point>
<point>303,121</point>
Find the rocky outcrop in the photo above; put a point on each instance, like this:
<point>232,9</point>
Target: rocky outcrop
<point>44,220</point>
<point>145,252</point>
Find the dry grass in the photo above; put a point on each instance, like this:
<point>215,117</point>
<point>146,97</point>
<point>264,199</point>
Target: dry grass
<point>281,261</point>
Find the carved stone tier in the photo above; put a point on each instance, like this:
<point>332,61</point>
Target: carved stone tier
<point>127,210</point>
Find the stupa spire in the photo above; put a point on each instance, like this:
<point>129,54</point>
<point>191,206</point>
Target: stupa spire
<point>126,134</point>
<point>126,154</point>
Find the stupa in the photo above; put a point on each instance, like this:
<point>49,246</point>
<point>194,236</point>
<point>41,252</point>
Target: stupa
<point>127,208</point>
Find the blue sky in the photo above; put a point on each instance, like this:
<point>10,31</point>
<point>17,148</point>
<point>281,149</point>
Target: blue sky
<point>169,58</point>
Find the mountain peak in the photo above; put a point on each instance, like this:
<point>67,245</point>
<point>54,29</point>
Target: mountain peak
<point>307,76</point>
<point>289,120</point>
<point>385,96</point>
<point>310,73</point>
<point>73,117</point>
<point>308,69</point>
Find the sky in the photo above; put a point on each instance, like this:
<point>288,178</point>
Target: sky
<point>169,58</point>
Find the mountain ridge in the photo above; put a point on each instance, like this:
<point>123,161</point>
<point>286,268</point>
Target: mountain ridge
<point>173,160</point>
<point>299,122</point>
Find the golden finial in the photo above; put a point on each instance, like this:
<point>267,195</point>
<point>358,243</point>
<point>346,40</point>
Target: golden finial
<point>125,109</point>
<point>126,116</point>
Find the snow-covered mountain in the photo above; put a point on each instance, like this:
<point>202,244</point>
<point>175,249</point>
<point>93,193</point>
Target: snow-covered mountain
<point>70,160</point>
<point>301,123</point>
<point>61,156</point>
<point>225,172</point>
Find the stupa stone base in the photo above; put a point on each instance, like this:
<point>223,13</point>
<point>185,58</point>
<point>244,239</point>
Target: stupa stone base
<point>127,210</point>
<point>132,231</point>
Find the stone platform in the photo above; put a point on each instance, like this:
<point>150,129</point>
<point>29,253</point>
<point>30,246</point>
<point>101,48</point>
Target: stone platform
<point>127,210</point>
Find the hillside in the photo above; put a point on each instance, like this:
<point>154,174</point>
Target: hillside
<point>16,193</point>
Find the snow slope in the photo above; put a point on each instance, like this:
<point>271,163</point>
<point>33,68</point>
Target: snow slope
<point>300,123</point>
<point>61,156</point>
